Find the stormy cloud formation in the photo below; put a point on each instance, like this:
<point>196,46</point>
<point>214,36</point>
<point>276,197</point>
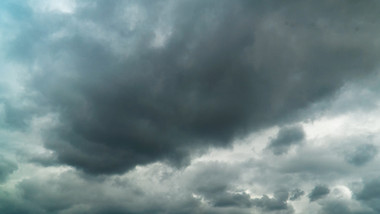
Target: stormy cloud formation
<point>193,106</point>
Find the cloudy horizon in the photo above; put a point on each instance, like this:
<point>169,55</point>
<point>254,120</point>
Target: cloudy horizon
<point>191,106</point>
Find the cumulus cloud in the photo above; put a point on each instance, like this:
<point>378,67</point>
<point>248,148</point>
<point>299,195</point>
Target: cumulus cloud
<point>225,70</point>
<point>167,106</point>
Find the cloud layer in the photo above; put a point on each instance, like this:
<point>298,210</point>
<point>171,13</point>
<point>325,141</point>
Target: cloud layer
<point>189,107</point>
<point>153,82</point>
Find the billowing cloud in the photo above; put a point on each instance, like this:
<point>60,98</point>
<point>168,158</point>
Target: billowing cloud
<point>194,106</point>
<point>220,71</point>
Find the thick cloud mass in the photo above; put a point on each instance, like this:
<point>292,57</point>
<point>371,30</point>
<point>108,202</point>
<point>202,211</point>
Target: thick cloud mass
<point>189,107</point>
<point>170,77</point>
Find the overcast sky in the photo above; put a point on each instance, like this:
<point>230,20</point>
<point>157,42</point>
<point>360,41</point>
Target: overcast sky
<point>189,107</point>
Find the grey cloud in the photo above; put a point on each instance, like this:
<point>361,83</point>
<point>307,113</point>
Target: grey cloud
<point>285,138</point>
<point>222,74</point>
<point>296,194</point>
<point>13,205</point>
<point>136,194</point>
<point>318,192</point>
<point>338,207</point>
<point>371,190</point>
<point>270,204</point>
<point>217,183</point>
<point>6,168</point>
<point>214,181</point>
<point>370,194</point>
<point>213,178</point>
<point>233,200</point>
<point>44,160</point>
<point>315,162</point>
<point>277,203</point>
<point>66,195</point>
<point>362,154</point>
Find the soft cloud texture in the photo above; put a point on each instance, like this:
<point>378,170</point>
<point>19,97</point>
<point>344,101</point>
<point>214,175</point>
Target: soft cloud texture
<point>189,106</point>
<point>225,70</point>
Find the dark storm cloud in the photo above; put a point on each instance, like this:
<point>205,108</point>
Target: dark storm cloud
<point>6,168</point>
<point>225,70</point>
<point>285,138</point>
<point>362,154</point>
<point>318,192</point>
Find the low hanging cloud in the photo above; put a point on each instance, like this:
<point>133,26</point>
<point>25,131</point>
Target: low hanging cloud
<point>191,106</point>
<point>166,79</point>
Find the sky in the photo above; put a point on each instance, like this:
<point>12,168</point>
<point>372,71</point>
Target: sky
<point>189,107</point>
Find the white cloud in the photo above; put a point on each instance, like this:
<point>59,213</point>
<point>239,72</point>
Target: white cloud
<point>57,6</point>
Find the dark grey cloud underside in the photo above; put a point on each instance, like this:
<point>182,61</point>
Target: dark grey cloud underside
<point>227,69</point>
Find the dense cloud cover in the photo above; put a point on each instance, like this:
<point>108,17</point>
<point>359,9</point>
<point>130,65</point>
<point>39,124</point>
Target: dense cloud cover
<point>194,106</point>
<point>155,81</point>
